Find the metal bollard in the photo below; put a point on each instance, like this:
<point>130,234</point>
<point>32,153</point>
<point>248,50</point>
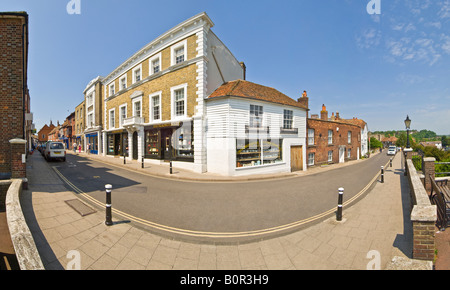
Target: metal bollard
<point>382,174</point>
<point>142,162</point>
<point>170,166</point>
<point>124,158</point>
<point>108,221</point>
<point>390,162</point>
<point>340,201</point>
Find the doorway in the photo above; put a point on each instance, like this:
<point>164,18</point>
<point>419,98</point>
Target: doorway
<point>341,154</point>
<point>166,144</point>
<point>296,158</point>
<point>135,145</point>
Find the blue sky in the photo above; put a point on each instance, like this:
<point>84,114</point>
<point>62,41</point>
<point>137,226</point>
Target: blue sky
<point>378,67</point>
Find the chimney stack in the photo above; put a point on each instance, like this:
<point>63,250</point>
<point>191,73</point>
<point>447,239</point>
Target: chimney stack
<point>244,68</point>
<point>304,100</point>
<point>337,116</point>
<point>324,113</point>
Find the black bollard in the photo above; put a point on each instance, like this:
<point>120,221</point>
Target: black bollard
<point>382,174</point>
<point>390,162</point>
<point>340,201</point>
<point>108,221</point>
<point>124,158</point>
<point>142,162</point>
<point>170,166</point>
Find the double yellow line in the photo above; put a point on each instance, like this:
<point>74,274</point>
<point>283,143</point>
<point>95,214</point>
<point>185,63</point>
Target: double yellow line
<point>215,235</point>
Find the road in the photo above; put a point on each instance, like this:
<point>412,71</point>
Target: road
<point>221,207</point>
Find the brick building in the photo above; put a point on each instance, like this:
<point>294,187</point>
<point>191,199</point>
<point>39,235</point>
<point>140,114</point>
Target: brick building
<point>15,116</point>
<point>44,132</point>
<point>155,101</point>
<point>79,124</point>
<point>333,139</point>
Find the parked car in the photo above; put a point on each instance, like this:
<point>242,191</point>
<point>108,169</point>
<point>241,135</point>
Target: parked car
<point>392,150</point>
<point>55,150</point>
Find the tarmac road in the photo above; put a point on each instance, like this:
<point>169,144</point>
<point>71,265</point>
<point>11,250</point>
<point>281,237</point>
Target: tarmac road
<point>221,207</point>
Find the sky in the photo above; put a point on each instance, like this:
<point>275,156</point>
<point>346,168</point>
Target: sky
<point>377,60</point>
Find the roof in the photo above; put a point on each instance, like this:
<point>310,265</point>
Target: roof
<point>249,90</point>
<point>358,122</point>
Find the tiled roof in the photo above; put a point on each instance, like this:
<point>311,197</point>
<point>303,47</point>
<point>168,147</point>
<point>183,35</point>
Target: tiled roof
<point>249,90</point>
<point>358,122</point>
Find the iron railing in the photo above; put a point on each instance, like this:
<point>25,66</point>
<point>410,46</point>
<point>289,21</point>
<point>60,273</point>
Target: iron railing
<point>440,196</point>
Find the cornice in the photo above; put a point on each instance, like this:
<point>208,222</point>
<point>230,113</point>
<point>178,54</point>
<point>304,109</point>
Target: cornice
<point>186,28</point>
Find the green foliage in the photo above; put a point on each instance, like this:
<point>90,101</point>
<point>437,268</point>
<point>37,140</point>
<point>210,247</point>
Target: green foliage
<point>374,143</point>
<point>401,141</point>
<point>424,134</point>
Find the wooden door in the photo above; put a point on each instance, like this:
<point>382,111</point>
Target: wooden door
<point>296,158</point>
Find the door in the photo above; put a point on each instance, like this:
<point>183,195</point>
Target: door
<point>166,144</point>
<point>341,155</point>
<point>135,145</point>
<point>296,158</point>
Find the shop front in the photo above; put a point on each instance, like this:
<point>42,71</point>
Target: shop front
<point>170,141</point>
<point>92,143</point>
<point>117,143</point>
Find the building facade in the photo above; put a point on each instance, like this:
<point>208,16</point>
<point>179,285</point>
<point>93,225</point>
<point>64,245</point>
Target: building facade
<point>154,103</point>
<point>93,116</point>
<point>15,116</point>
<point>44,132</point>
<point>334,140</point>
<point>79,125</point>
<point>254,129</point>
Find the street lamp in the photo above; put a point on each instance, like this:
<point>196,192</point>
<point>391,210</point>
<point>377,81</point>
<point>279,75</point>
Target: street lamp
<point>408,126</point>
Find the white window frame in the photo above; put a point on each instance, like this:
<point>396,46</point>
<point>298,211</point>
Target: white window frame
<point>150,63</point>
<point>122,80</point>
<point>112,126</point>
<point>137,100</point>
<point>175,47</point>
<point>172,101</point>
<point>330,156</point>
<point>311,159</point>
<point>290,122</point>
<point>349,153</point>
<point>151,113</point>
<point>139,67</point>
<point>90,123</point>
<point>112,89</point>
<point>330,137</point>
<point>311,136</point>
<point>258,117</point>
<point>349,137</point>
<point>122,119</point>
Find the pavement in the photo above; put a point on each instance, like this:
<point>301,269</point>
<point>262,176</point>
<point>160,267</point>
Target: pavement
<point>374,232</point>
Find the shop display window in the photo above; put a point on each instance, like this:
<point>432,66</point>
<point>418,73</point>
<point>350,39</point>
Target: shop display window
<point>183,142</point>
<point>258,152</point>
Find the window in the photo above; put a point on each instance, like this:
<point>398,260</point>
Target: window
<point>311,157</point>
<point>112,118</point>
<point>123,83</point>
<point>310,136</point>
<point>288,119</point>
<point>123,114</point>
<point>179,53</point>
<point>256,116</point>
<point>179,103</point>
<point>155,64</point>
<point>155,107</point>
<point>89,100</point>
<point>90,120</point>
<point>112,90</point>
<point>137,74</point>
<point>137,109</point>
<point>330,136</point>
<point>349,153</point>
<point>251,152</point>
<point>330,156</point>
<point>349,137</point>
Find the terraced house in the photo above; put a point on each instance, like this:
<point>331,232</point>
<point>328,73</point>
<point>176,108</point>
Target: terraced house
<point>154,102</point>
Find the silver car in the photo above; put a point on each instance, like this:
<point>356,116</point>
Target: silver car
<point>55,150</point>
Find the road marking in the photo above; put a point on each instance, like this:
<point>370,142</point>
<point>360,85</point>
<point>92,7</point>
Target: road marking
<point>201,234</point>
<point>8,267</point>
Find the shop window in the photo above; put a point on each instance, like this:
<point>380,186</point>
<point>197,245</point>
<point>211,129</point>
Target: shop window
<point>152,147</point>
<point>183,142</point>
<point>258,152</point>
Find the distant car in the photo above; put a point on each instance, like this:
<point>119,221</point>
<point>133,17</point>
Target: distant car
<point>55,150</point>
<point>392,150</point>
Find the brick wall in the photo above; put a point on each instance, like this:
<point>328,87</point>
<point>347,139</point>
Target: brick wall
<point>12,89</point>
<point>340,138</point>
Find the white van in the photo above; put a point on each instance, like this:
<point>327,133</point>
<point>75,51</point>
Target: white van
<point>55,150</point>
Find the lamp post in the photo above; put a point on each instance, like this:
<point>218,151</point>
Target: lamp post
<point>408,126</point>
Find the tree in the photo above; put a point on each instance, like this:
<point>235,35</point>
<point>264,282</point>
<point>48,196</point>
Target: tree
<point>401,141</point>
<point>445,141</point>
<point>374,143</point>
